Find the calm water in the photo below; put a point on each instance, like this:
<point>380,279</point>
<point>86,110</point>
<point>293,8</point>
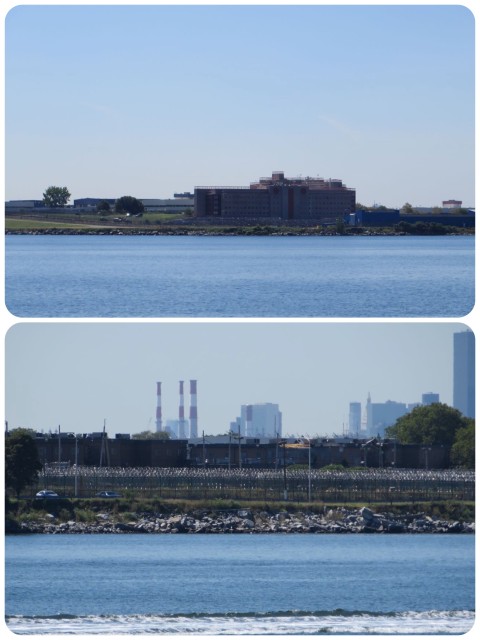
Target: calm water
<point>233,584</point>
<point>82,276</point>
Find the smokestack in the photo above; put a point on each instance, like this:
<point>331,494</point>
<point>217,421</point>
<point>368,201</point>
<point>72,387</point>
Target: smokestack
<point>193,409</point>
<point>248,420</point>
<point>158,422</point>
<point>181,414</point>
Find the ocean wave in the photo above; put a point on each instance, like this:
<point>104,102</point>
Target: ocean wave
<point>337,621</point>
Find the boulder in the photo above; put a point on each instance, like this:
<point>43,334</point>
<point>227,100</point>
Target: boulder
<point>367,514</point>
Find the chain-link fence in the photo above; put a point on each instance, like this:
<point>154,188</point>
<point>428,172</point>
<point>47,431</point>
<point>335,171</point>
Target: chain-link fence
<point>368,485</point>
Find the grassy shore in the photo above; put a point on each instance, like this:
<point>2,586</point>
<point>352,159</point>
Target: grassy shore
<point>168,224</point>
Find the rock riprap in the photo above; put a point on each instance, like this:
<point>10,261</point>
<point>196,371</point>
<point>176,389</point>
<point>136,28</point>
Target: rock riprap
<point>341,520</point>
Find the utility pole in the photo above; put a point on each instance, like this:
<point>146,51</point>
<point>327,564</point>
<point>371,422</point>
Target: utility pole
<point>76,466</point>
<point>309,470</point>
<point>285,490</point>
<point>239,449</point>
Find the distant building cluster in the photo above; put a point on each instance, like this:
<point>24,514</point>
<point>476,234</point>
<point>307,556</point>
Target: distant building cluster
<point>277,198</point>
<point>255,439</point>
<point>262,420</point>
<point>179,203</point>
<point>380,415</point>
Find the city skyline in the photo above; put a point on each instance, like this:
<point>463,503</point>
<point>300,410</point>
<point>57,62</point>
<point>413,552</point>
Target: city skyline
<point>77,375</point>
<point>379,96</point>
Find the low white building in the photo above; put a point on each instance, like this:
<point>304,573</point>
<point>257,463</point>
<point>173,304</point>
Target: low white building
<point>169,205</point>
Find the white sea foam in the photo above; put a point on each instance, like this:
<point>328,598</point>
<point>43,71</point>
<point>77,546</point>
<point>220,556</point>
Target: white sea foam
<point>407,623</point>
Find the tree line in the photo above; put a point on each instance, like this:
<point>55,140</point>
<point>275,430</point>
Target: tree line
<point>58,197</point>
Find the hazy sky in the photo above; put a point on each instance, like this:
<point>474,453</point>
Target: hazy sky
<point>78,374</point>
<point>150,100</point>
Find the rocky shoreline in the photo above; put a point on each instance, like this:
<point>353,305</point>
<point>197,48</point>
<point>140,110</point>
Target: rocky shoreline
<point>340,520</point>
<point>121,231</point>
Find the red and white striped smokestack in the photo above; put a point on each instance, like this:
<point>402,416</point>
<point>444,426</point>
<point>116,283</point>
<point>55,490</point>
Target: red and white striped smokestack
<point>181,414</point>
<point>248,420</point>
<point>193,409</point>
<point>158,422</point>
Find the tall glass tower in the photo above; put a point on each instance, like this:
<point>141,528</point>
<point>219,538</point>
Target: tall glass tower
<point>464,373</point>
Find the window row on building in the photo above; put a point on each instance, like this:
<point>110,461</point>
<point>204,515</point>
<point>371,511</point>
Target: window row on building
<point>277,198</point>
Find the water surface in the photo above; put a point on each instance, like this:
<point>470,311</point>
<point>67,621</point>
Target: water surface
<point>240,583</point>
<point>177,276</point>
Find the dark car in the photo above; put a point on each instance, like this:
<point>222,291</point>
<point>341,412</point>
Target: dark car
<point>45,493</point>
<point>108,494</point>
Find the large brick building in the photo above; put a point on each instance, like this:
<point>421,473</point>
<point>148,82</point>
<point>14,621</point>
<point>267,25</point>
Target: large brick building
<point>277,198</point>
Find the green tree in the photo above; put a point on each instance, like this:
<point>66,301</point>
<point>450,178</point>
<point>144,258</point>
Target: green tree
<point>463,450</point>
<point>129,204</point>
<point>22,463</point>
<point>430,424</point>
<point>103,205</point>
<point>151,435</point>
<point>56,197</point>
<point>407,208</point>
<point>340,227</point>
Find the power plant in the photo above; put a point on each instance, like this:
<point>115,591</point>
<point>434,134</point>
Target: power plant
<point>181,414</point>
<point>193,409</point>
<point>178,428</point>
<point>158,422</point>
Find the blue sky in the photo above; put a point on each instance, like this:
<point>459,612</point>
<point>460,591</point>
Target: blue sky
<point>149,100</point>
<point>78,374</point>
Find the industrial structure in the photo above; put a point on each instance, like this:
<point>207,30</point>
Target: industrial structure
<point>224,452</point>
<point>277,198</point>
<point>158,422</point>
<point>464,373</point>
<point>180,203</point>
<point>193,409</point>
<point>180,428</point>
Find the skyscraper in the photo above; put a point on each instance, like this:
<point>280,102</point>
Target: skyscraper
<point>259,421</point>
<point>355,419</point>
<point>464,373</point>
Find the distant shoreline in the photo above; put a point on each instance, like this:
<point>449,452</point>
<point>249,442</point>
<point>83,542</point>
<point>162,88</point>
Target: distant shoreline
<point>229,232</point>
